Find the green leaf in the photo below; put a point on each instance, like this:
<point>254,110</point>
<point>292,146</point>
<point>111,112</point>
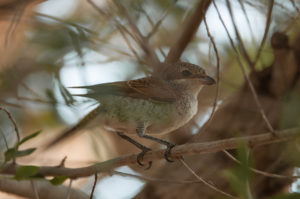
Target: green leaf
<point>24,152</point>
<point>287,196</point>
<point>25,139</point>
<point>26,172</point>
<point>58,180</point>
<point>10,154</point>
<point>13,153</point>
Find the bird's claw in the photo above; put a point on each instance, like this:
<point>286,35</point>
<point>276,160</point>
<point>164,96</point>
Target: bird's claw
<point>140,157</point>
<point>168,152</point>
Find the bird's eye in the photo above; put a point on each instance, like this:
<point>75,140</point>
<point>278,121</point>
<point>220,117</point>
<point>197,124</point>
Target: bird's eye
<point>186,73</point>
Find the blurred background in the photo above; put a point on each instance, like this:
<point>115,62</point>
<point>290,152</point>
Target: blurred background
<point>46,47</point>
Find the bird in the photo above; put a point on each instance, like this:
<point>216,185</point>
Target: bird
<point>146,106</point>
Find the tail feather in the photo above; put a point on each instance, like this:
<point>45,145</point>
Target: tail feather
<point>75,129</point>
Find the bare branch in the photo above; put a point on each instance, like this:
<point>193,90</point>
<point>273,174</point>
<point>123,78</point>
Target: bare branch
<point>267,174</point>
<point>189,29</point>
<point>150,179</point>
<point>94,185</point>
<point>142,40</point>
<point>269,17</point>
<point>69,189</point>
<point>258,104</point>
<point>210,185</point>
<point>218,75</point>
<point>239,37</point>
<point>177,152</point>
<point>294,5</point>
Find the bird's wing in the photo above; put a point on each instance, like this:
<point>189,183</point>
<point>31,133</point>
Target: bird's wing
<point>149,88</point>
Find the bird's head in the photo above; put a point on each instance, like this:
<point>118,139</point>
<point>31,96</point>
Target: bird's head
<point>184,70</point>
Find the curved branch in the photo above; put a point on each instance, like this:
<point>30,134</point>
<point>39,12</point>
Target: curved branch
<point>177,152</point>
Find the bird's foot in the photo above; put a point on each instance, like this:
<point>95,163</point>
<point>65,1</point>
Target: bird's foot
<point>141,155</point>
<point>168,151</point>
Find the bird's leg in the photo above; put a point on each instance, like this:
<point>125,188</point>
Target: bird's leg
<point>138,145</point>
<point>141,132</point>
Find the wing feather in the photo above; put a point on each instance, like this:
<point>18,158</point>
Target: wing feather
<point>149,88</point>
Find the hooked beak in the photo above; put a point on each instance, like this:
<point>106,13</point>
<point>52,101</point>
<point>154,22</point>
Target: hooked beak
<point>207,80</point>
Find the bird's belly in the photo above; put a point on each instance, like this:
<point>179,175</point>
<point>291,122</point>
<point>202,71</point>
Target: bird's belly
<point>159,118</point>
<point>181,116</point>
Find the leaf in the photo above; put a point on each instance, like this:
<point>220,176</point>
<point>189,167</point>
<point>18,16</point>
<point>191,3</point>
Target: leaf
<point>25,139</point>
<point>58,180</point>
<point>24,152</point>
<point>26,172</point>
<point>12,153</point>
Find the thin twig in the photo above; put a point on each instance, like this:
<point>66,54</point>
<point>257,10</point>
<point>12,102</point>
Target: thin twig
<point>239,38</point>
<point>205,182</point>
<point>159,22</point>
<point>155,28</point>
<point>241,2</point>
<point>4,138</point>
<point>31,91</point>
<point>94,185</point>
<point>218,74</point>
<point>149,179</point>
<point>121,29</point>
<point>15,127</point>
<point>65,22</point>
<point>91,32</point>
<point>19,11</point>
<point>142,40</point>
<point>294,5</point>
<point>128,44</point>
<point>36,194</point>
<point>254,94</point>
<point>267,174</point>
<point>268,22</point>
<point>177,152</point>
<point>10,104</point>
<point>69,189</point>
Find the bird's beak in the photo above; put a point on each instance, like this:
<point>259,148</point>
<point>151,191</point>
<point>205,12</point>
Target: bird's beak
<point>207,80</point>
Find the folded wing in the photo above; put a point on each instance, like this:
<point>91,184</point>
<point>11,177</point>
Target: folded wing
<point>149,88</point>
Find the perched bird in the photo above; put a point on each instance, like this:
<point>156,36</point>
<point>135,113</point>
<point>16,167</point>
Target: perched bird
<point>146,106</point>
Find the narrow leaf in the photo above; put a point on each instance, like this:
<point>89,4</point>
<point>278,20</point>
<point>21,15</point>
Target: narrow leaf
<point>25,139</point>
<point>24,152</point>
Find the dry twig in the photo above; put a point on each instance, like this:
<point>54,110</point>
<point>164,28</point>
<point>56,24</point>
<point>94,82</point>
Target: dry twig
<point>218,75</point>
<point>246,76</point>
<point>210,185</point>
<point>177,152</point>
<point>267,174</point>
<point>94,185</point>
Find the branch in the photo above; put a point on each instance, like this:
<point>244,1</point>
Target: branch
<point>189,29</point>
<point>45,189</point>
<point>177,152</point>
<point>246,76</point>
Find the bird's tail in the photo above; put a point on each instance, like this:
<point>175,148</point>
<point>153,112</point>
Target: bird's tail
<point>75,129</point>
